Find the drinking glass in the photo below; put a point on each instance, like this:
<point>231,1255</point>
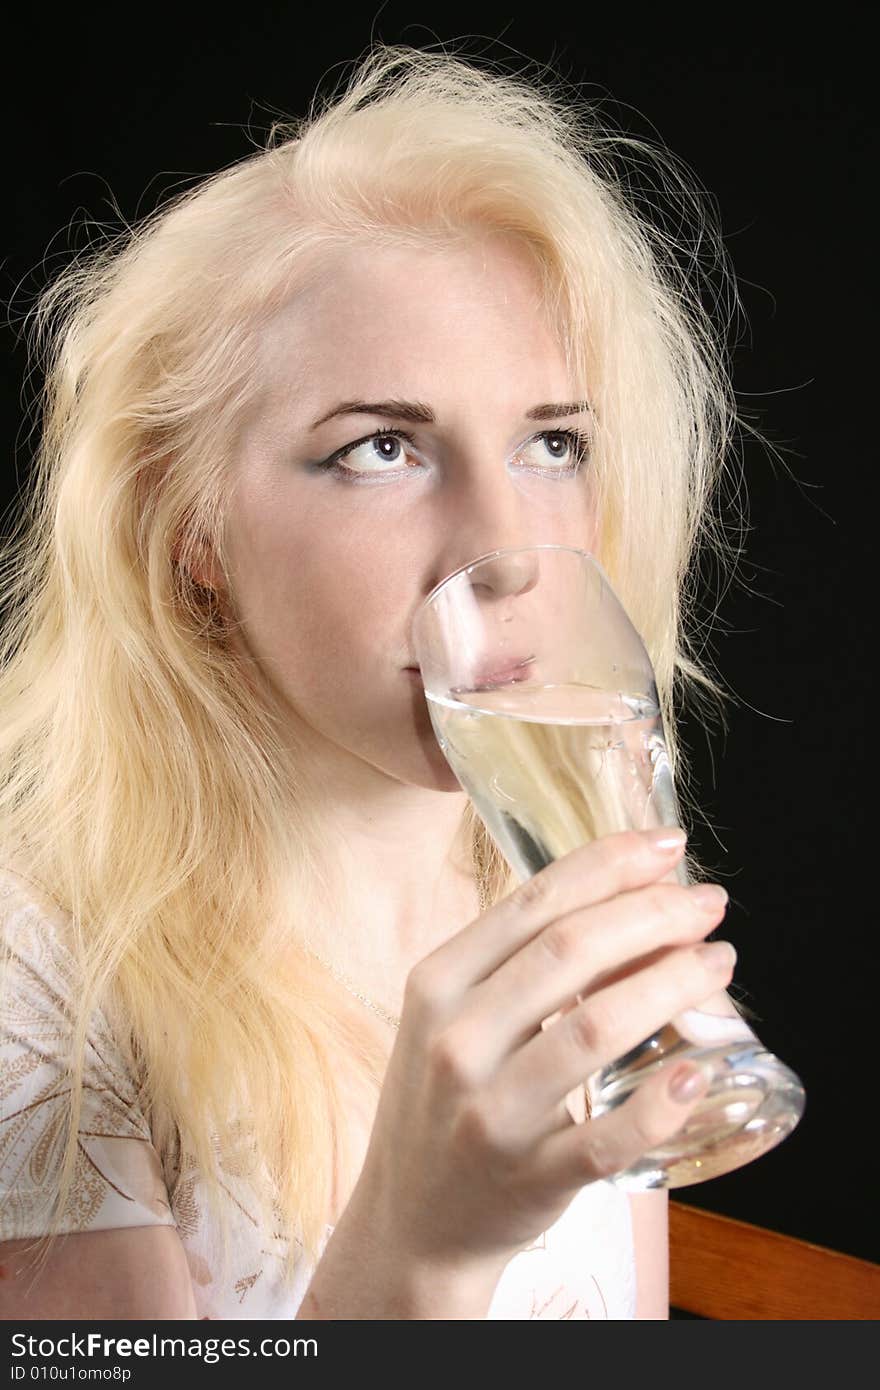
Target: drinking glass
<point>544,702</point>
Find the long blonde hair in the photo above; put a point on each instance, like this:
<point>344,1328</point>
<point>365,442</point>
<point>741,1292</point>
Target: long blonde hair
<point>145,782</point>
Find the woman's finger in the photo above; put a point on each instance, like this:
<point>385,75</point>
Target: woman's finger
<point>587,875</point>
<point>604,1026</point>
<point>580,953</point>
<point>655,1111</point>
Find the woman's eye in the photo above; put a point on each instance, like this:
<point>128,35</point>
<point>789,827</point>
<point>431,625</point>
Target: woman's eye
<point>565,447</point>
<point>552,451</point>
<point>380,449</point>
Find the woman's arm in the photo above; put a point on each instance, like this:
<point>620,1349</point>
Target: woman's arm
<point>650,1222</point>
<point>359,1276</point>
<point>128,1272</point>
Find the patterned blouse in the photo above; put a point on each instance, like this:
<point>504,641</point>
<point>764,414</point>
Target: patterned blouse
<point>581,1267</point>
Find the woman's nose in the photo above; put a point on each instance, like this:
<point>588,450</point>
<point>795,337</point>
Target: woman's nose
<point>513,570</point>
<point>496,531</point>
<point>474,624</point>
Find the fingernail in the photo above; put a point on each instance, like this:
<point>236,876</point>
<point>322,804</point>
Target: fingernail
<point>666,839</point>
<point>717,955</point>
<point>709,896</point>
<point>686,1083</point>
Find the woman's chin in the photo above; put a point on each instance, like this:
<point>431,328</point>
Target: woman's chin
<point>429,768</point>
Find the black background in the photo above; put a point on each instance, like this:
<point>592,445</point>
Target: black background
<point>777,128</point>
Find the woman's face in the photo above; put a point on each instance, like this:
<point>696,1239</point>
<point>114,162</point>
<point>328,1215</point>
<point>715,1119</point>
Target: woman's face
<point>328,565</point>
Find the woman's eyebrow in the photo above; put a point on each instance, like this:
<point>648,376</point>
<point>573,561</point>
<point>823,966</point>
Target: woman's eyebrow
<point>418,414</point>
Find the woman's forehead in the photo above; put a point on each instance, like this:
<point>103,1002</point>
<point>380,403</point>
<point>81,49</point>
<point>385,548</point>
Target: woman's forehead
<point>364,270</point>
<point>389,303</point>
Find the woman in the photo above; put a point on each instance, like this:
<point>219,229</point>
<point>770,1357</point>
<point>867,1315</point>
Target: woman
<point>273,1001</point>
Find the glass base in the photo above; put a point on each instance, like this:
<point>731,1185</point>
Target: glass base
<point>754,1102</point>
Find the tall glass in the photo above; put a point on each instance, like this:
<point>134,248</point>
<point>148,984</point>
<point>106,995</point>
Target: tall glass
<point>543,700</point>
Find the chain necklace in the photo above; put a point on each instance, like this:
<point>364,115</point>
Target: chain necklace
<point>390,1018</point>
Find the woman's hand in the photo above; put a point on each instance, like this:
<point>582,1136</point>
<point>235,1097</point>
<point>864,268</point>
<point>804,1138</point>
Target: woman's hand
<point>473,1152</point>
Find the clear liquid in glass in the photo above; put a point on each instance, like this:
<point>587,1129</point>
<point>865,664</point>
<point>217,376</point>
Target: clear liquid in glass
<point>552,767</point>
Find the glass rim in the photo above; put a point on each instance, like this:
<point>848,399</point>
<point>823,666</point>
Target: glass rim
<point>493,554</point>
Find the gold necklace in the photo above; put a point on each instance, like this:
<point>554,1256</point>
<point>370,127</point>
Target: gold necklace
<point>352,989</point>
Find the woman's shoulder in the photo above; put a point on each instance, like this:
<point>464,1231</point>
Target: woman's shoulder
<point>41,987</point>
<point>118,1177</point>
<point>17,882</point>
<point>24,899</point>
<point>36,945</point>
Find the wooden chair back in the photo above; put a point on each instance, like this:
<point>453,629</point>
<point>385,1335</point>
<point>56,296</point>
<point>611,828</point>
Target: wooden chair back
<point>726,1269</point>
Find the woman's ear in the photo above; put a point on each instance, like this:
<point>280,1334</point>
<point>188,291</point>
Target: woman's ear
<point>202,565</point>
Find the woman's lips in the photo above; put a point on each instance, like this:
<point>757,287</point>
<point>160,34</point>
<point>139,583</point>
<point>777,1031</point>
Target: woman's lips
<point>486,677</point>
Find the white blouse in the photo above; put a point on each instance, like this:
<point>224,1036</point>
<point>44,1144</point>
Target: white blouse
<point>583,1266</point>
